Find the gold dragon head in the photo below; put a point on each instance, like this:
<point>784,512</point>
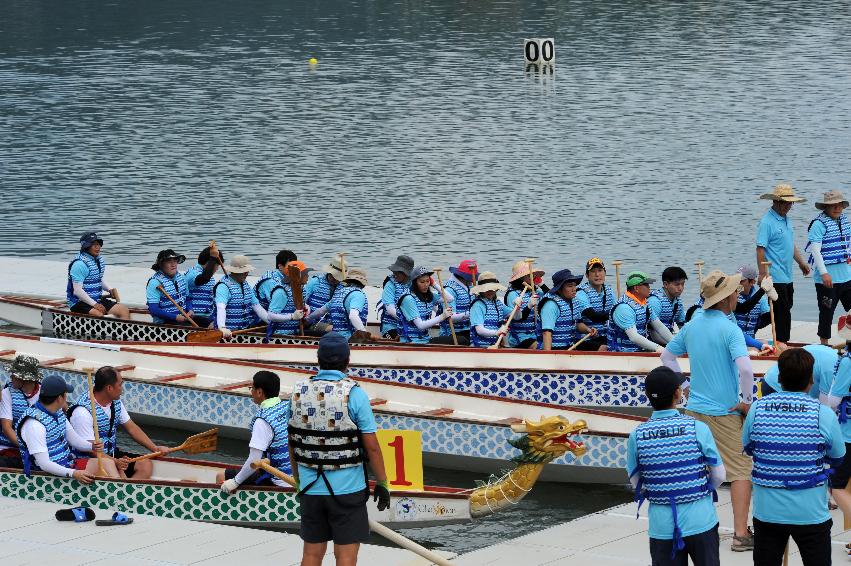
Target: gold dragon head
<point>548,438</point>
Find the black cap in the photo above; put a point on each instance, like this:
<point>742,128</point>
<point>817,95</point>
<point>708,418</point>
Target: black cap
<point>333,348</point>
<point>54,386</point>
<point>661,383</point>
<point>167,254</point>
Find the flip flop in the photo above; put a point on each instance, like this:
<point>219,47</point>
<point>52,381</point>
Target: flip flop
<point>77,514</point>
<point>117,519</point>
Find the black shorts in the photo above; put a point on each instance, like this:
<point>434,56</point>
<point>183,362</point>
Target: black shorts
<point>11,458</point>
<point>842,472</point>
<point>257,478</point>
<point>131,468</point>
<point>343,518</point>
<point>83,308</point>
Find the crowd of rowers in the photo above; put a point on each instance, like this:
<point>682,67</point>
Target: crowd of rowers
<point>577,310</point>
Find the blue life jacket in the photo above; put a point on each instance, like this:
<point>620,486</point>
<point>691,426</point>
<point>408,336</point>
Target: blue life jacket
<point>672,466</point>
<point>239,311</point>
<point>290,326</point>
<point>177,288</point>
<point>524,326</point>
<point>600,302</point>
<point>564,333</point>
<point>618,341</point>
<point>389,323</point>
<point>200,299</point>
<point>408,331</point>
<point>271,275</point>
<point>463,301</point>
<point>750,320</point>
<point>107,423</point>
<point>58,449</point>
<point>338,314</point>
<point>787,448</point>
<point>321,293</point>
<point>670,308</point>
<point>277,417</point>
<point>493,320</point>
<point>92,284</point>
<point>843,411</point>
<point>19,407</point>
<point>835,243</point>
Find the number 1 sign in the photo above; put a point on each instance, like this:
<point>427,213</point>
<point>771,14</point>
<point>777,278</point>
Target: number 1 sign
<point>403,458</point>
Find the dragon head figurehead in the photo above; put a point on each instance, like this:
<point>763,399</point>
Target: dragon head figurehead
<point>547,439</point>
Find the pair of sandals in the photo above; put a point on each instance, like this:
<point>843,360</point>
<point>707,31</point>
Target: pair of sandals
<point>85,514</point>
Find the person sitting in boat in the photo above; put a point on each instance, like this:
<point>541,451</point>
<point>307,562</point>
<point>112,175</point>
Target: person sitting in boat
<point>752,311</point>
<point>488,314</point>
<point>283,315</point>
<point>16,397</point>
<point>348,307</point>
<point>236,303</point>
<point>269,436</point>
<point>522,333</point>
<point>86,285</point>
<point>46,437</point>
<point>200,280</point>
<point>166,287</point>
<point>560,313</point>
<point>320,288</point>
<point>332,455</point>
<point>600,297</point>
<point>108,386</point>
<point>394,287</point>
<point>631,318</point>
<point>273,278</point>
<point>420,310</point>
<point>666,303</point>
<point>457,289</point>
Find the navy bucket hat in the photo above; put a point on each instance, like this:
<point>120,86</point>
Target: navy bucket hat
<point>88,239</point>
<point>564,276</point>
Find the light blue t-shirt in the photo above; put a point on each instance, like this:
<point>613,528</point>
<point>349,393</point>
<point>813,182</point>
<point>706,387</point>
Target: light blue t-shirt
<point>550,311</point>
<point>655,304</point>
<point>776,235</point>
<point>223,295</point>
<point>279,300</point>
<point>825,359</point>
<point>712,342</point>
<point>152,294</point>
<point>346,480</point>
<point>839,272</point>
<point>264,289</point>
<point>842,388</point>
<point>796,506</point>
<point>79,271</point>
<point>624,317</point>
<point>478,310</point>
<point>693,518</point>
<point>388,293</point>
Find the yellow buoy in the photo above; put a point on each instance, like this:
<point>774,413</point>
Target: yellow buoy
<point>312,61</point>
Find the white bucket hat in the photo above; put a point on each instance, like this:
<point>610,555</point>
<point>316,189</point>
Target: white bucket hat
<point>718,286</point>
<point>831,197</point>
<point>334,268</point>
<point>240,264</point>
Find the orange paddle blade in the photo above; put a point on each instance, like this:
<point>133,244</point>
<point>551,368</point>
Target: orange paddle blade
<point>205,336</point>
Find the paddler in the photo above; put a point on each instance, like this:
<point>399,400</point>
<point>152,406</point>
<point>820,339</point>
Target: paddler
<point>269,436</point>
<point>829,245</point>
<point>16,397</point>
<point>522,333</point>
<point>600,298</point>
<point>332,455</point>
<point>775,242</point>
<point>86,285</point>
<point>631,318</point>
<point>752,311</point>
<point>420,310</point>
<point>825,361</point>
<point>108,386</point>
<point>283,315</point>
<point>320,288</point>
<point>394,287</point>
<point>174,283</point>
<point>46,437</point>
<point>457,290</point>
<point>274,277</point>
<point>560,313</point>
<point>236,302</point>
<point>666,303</point>
<point>488,314</point>
<point>200,279</point>
<point>347,310</point>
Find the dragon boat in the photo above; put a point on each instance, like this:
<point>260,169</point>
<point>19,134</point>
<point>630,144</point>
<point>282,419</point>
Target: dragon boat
<point>187,489</point>
<point>465,431</point>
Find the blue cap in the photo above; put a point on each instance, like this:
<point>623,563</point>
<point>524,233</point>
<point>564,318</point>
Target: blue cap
<point>89,238</point>
<point>333,348</point>
<point>563,276</point>
<point>54,386</point>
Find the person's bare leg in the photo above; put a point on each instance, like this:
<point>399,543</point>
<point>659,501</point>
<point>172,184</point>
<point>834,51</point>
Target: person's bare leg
<point>843,500</point>
<point>346,554</point>
<point>108,467</point>
<point>313,553</point>
<point>220,477</point>
<point>120,311</point>
<point>144,469</point>
<point>740,493</point>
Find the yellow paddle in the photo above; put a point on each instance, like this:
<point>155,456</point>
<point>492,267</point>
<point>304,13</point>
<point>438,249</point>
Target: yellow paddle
<point>767,264</point>
<point>183,312</point>
<point>197,444</point>
<point>101,471</point>
<point>510,317</point>
<point>617,263</point>
<point>529,261</point>
<point>445,305</point>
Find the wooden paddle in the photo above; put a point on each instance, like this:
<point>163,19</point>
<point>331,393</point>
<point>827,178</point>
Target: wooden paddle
<point>495,345</point>
<point>183,312</point>
<point>446,305</point>
<point>294,275</point>
<point>699,265</point>
<point>213,247</point>
<point>767,264</point>
<point>196,444</point>
<point>580,341</point>
<point>529,261</point>
<point>374,526</point>
<point>617,263</point>
<point>213,335</point>
<point>101,471</point>
<point>342,256</point>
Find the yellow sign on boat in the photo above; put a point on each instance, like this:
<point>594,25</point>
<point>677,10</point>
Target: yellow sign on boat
<point>403,458</point>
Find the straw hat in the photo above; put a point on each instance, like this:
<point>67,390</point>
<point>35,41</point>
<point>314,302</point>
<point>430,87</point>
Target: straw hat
<point>240,264</point>
<point>718,286</point>
<point>784,193</point>
<point>487,282</point>
<point>832,197</point>
<point>334,268</point>
<point>357,275</point>
<point>521,269</point>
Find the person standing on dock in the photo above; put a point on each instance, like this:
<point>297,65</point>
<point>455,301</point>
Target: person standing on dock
<point>560,313</point>
<point>632,318</point>
<point>775,242</point>
<point>269,436</point>
<point>682,520</point>
<point>174,284</point>
<point>111,413</point>
<point>17,396</point>
<point>320,288</point>
<point>523,332</point>
<point>601,298</point>
<point>419,309</point>
<point>666,303</point>
<point>829,245</point>
<point>784,428</point>
<point>86,285</point>
<point>236,303</point>
<point>347,310</point>
<point>457,290</point>
<point>200,280</point>
<point>721,388</point>
<point>332,440</point>
<point>394,288</point>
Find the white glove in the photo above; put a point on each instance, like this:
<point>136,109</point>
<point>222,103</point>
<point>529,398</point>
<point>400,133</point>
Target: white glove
<point>297,315</point>
<point>229,486</point>
<point>226,333</point>
<point>518,302</point>
<point>533,301</point>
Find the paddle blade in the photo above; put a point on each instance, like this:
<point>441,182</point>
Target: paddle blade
<point>294,275</point>
<point>203,442</point>
<point>204,336</point>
